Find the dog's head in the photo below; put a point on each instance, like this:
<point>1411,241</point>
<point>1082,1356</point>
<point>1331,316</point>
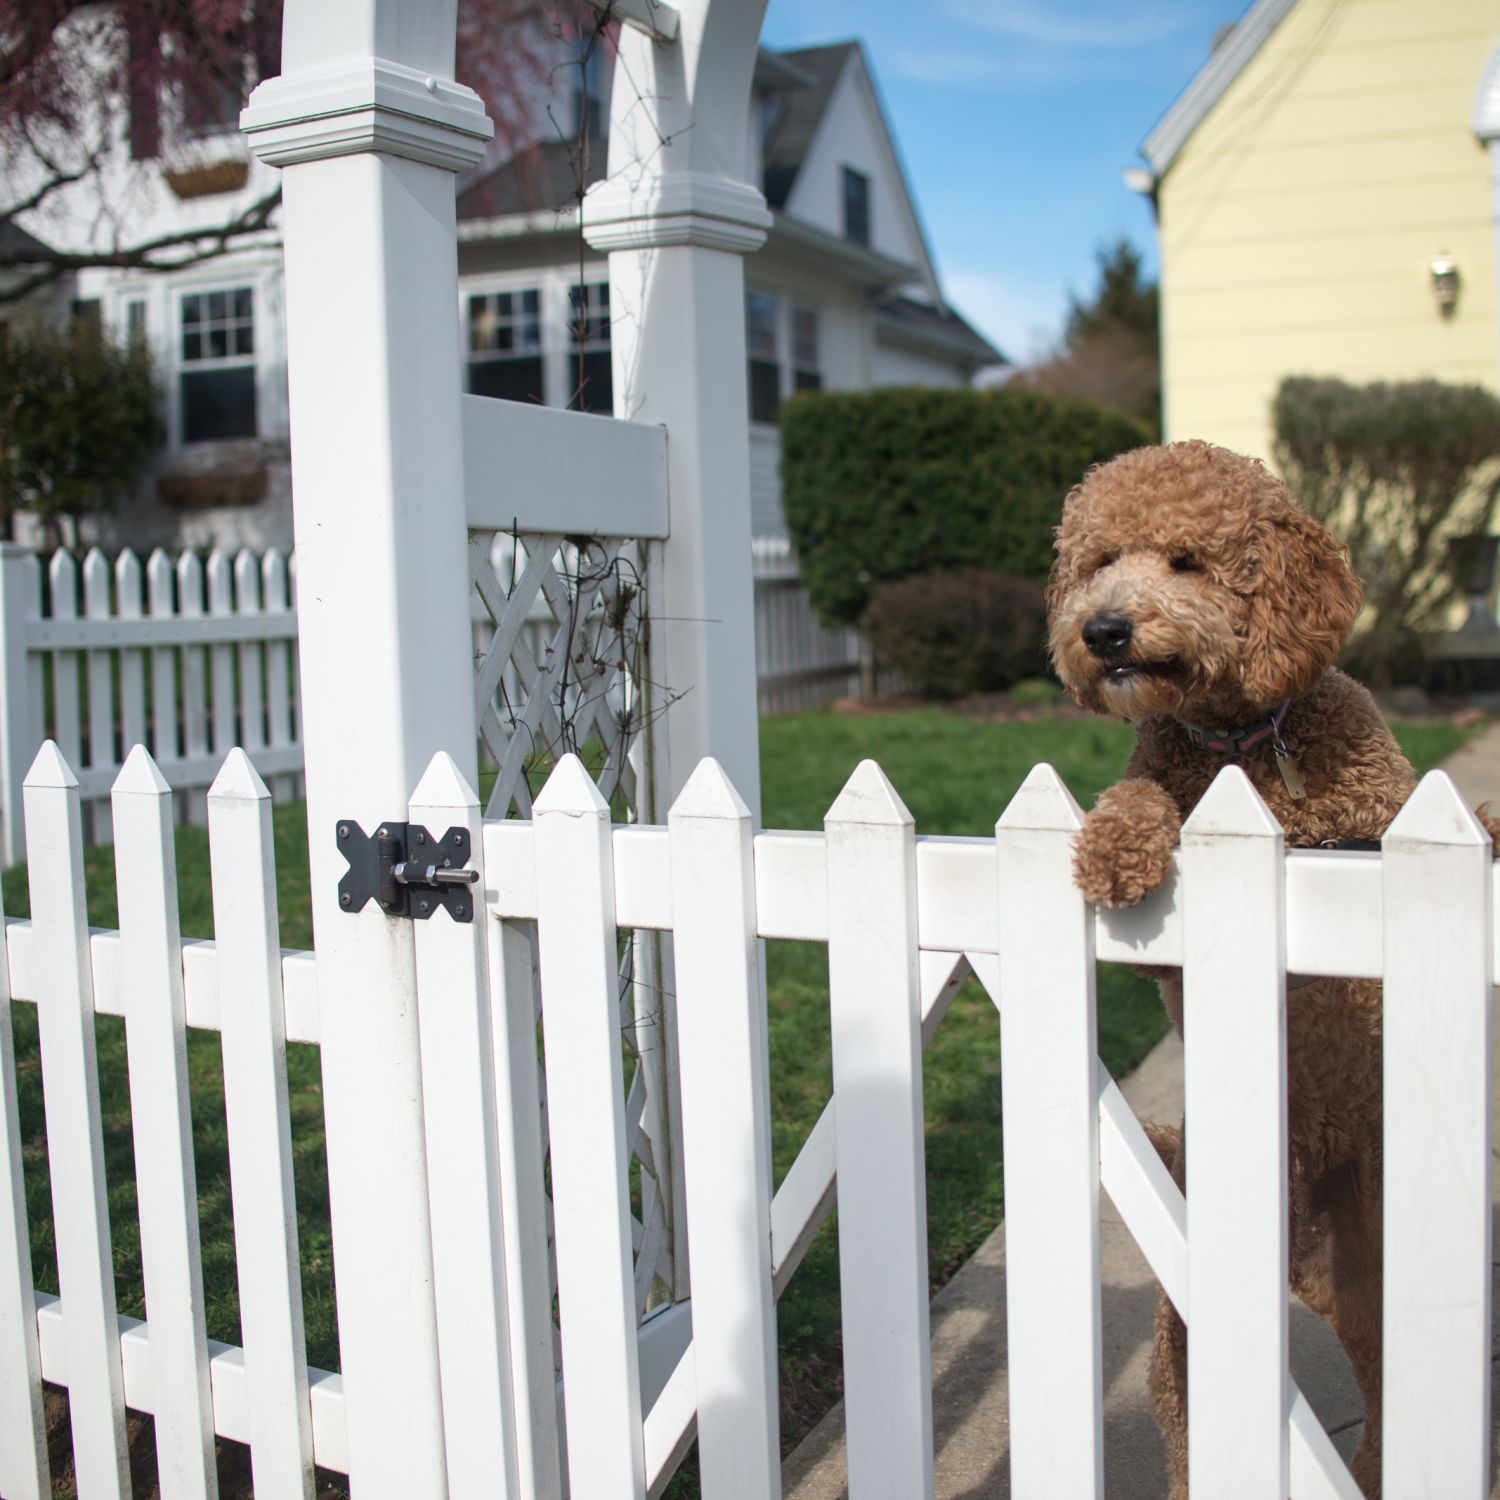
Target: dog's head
<point>1188,581</point>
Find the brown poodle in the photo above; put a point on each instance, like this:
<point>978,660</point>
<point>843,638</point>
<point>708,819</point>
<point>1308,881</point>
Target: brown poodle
<point>1194,598</point>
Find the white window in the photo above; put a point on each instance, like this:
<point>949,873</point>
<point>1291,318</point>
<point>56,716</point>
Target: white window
<point>761,346</point>
<point>505,345</point>
<point>588,378</point>
<point>217,357</point>
<point>807,366</point>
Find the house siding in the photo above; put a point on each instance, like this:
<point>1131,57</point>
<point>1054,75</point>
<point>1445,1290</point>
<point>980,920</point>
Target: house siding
<point>1299,219</point>
<point>850,135</point>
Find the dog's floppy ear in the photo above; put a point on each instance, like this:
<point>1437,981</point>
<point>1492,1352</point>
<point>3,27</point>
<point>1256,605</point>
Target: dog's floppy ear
<point>1304,598</point>
<point>1064,544</point>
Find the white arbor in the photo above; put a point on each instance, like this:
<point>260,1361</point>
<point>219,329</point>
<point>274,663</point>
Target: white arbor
<point>370,129</point>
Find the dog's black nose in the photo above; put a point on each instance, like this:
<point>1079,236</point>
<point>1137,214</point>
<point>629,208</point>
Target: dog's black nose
<point>1107,635</point>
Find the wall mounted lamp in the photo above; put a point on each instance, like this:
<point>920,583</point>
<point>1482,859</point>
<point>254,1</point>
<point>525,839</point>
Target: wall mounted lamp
<point>1444,272</point>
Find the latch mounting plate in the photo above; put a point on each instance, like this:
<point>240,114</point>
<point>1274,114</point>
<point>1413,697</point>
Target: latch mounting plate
<point>406,871</point>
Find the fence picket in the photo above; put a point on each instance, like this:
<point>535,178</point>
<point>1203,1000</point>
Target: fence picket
<point>1051,1129</point>
<point>277,594</point>
<point>1438,973</point>
<point>160,588</point>
<point>24,1470</point>
<point>586,1114</point>
<point>62,576</point>
<point>167,1194</point>
<point>458,1092</point>
<point>128,582</point>
<point>96,606</point>
<point>221,602</point>
<point>877,1078</point>
<point>1234,981</point>
<point>252,679</point>
<point>194,665</point>
<point>524,1210</point>
<point>726,1132</point>
<point>75,1144</point>
<point>253,1020</point>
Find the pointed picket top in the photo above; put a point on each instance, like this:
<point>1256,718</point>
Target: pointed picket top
<point>62,574</point>
<point>709,793</point>
<point>128,579</point>
<point>247,580</point>
<point>444,785</point>
<point>869,797</point>
<point>238,781</point>
<point>1231,806</point>
<point>220,582</point>
<point>570,789</point>
<point>1435,813</point>
<point>96,581</point>
<point>139,777</point>
<point>159,581</point>
<point>50,770</point>
<point>1043,804</point>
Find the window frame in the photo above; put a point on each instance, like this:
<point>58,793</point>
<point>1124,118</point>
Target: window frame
<point>184,365</point>
<point>529,323</point>
<point>766,358</point>
<point>850,178</point>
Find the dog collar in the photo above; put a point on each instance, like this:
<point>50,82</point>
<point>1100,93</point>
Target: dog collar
<point>1236,741</point>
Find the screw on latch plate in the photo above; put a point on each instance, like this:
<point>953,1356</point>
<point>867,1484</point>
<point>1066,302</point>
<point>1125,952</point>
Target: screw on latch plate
<point>406,871</point>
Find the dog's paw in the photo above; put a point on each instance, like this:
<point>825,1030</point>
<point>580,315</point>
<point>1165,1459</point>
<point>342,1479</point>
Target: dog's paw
<point>1124,850</point>
<point>1487,815</point>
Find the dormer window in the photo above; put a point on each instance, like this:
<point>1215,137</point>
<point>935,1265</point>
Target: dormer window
<point>856,207</point>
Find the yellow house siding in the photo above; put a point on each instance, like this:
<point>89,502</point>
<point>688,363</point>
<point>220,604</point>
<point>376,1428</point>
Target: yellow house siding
<point>1298,220</point>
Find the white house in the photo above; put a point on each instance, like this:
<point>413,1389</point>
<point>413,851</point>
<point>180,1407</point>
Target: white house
<point>844,295</point>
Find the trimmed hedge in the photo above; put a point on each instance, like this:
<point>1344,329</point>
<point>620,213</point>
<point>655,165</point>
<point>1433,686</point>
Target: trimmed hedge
<point>892,483</point>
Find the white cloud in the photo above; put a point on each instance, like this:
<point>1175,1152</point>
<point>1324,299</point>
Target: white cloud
<point>1097,25</point>
<point>1023,322</point>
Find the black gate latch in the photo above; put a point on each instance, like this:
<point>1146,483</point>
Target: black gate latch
<point>407,871</point>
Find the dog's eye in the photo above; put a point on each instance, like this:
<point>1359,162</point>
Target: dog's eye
<point>1182,563</point>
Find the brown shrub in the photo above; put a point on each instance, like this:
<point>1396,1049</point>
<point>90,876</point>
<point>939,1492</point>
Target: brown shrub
<point>970,631</point>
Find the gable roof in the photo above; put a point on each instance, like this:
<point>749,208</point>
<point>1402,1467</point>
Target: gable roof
<point>1209,84</point>
<point>799,113</point>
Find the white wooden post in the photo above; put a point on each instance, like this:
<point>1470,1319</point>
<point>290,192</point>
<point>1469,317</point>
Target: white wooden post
<point>586,1114</point>
<point>875,1001</point>
<point>252,1012</point>
<point>1049,1099</point>
<point>20,731</point>
<point>1439,967</point>
<point>1234,982</point>
<point>371,129</point>
<point>167,1190</point>
<point>75,1139</point>
<point>468,1244</point>
<point>726,1133</point>
<point>24,1470</point>
<point>677,218</point>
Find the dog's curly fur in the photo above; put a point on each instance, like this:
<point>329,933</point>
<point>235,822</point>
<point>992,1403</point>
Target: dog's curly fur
<point>1238,601</point>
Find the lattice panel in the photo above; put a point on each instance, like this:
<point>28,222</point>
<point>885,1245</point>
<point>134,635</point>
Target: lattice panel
<point>561,662</point>
<point>559,666</point>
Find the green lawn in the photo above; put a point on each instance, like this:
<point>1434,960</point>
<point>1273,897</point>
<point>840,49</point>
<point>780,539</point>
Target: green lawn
<point>956,775</point>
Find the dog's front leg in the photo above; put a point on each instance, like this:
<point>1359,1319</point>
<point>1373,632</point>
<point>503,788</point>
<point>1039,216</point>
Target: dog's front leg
<point>1124,850</point>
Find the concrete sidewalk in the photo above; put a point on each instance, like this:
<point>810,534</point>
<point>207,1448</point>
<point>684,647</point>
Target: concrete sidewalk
<point>970,1391</point>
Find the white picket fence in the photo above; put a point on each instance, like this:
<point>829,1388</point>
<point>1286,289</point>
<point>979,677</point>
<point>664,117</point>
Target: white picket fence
<point>800,662</point>
<point>190,656</point>
<point>905,921</point>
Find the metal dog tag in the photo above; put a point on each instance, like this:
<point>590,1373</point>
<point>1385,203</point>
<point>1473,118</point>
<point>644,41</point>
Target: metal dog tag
<point>1296,788</point>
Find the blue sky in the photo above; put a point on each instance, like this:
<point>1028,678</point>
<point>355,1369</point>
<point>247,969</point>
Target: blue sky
<point>1017,120</point>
